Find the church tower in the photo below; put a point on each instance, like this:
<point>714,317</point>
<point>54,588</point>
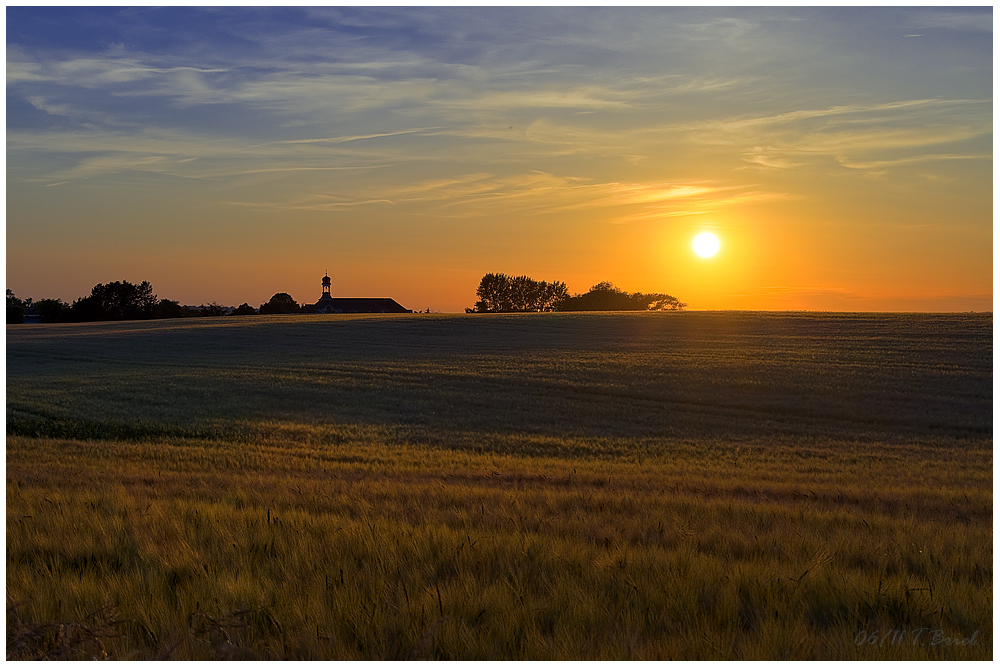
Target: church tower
<point>326,303</point>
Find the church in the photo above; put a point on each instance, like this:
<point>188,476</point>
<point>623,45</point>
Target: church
<point>330,304</point>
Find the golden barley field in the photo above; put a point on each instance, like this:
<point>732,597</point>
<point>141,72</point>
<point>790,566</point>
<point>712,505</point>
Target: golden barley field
<point>536,486</point>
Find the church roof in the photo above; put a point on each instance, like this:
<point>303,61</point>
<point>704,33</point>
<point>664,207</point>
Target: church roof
<point>358,305</point>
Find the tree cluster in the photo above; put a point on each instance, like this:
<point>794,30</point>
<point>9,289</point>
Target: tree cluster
<point>244,309</point>
<point>122,300</point>
<point>606,297</point>
<point>117,301</point>
<point>499,293</point>
<point>16,308</point>
<point>282,302</point>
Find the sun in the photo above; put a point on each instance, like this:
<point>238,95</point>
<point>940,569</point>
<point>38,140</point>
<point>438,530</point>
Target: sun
<point>706,244</point>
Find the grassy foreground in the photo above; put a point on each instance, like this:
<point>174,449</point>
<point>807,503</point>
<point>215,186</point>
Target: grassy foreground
<point>662,486</point>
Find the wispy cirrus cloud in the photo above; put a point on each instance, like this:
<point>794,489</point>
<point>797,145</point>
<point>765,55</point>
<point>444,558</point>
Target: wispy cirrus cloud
<point>101,73</point>
<point>352,138</point>
<point>739,124</point>
<point>476,194</point>
<point>960,20</point>
<point>182,155</point>
<point>909,160</point>
<point>851,134</point>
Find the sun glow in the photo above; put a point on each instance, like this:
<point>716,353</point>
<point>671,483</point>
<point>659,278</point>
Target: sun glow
<point>706,244</point>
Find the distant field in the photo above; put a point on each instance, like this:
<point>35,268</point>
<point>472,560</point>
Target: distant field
<point>538,486</point>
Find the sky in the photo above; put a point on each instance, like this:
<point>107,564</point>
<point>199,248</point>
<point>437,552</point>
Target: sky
<point>842,156</point>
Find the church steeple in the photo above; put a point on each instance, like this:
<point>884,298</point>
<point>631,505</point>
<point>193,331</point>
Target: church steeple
<point>326,285</point>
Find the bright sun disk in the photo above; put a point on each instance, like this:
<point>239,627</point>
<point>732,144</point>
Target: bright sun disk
<point>706,244</point>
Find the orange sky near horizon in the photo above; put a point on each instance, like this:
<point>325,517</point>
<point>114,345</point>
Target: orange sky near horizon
<point>842,156</point>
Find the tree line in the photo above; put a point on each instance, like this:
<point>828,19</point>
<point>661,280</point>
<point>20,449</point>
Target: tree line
<point>499,293</point>
<point>122,300</point>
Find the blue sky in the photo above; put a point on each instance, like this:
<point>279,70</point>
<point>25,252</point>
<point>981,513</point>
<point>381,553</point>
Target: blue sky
<point>843,155</point>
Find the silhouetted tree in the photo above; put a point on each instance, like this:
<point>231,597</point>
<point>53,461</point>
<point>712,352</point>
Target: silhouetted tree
<point>167,308</point>
<point>493,293</point>
<point>16,308</point>
<point>51,310</point>
<point>281,302</point>
<point>499,293</point>
<point>116,301</point>
<point>606,297</point>
<point>212,310</point>
<point>244,309</point>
